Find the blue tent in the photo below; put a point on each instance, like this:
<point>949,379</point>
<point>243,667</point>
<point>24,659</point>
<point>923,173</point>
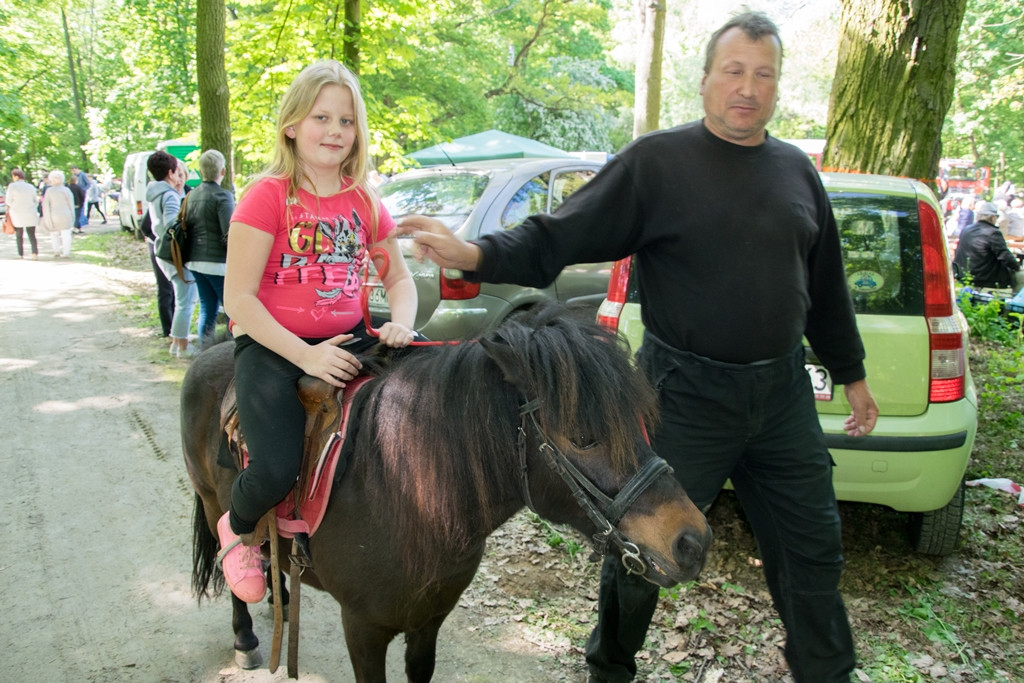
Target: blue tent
<point>491,144</point>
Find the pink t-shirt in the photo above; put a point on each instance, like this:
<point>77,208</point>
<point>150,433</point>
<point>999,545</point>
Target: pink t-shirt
<point>312,278</point>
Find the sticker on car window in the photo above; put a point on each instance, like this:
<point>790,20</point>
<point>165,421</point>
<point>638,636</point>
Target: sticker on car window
<point>865,281</point>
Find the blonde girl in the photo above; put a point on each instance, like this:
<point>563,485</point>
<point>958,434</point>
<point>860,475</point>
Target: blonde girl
<point>298,240</point>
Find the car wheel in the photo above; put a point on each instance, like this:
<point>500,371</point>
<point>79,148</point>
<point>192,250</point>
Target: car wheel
<point>937,532</point>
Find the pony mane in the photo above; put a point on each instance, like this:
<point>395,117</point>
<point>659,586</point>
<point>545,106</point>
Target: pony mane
<point>446,421</point>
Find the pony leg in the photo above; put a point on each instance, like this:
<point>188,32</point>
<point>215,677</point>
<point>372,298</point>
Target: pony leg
<point>247,652</point>
<point>367,648</point>
<point>421,651</point>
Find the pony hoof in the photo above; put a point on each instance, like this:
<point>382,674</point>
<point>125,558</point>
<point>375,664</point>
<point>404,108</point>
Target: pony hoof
<point>248,659</point>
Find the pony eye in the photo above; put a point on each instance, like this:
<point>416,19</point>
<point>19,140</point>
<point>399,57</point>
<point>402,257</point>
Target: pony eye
<point>583,443</point>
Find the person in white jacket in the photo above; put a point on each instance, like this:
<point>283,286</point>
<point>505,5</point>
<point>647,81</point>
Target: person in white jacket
<point>23,206</point>
<point>59,214</point>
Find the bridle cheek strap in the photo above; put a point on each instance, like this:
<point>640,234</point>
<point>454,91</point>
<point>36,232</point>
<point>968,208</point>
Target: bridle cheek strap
<point>603,511</point>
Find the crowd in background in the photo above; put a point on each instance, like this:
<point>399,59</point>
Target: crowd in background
<point>59,205</point>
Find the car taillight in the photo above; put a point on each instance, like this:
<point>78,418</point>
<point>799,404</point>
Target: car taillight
<point>454,286</point>
<point>948,358</point>
<point>618,289</point>
<point>138,208</point>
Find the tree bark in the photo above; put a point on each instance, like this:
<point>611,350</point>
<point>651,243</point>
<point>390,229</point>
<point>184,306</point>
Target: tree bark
<point>893,86</point>
<point>212,82</point>
<point>351,36</point>
<point>647,89</point>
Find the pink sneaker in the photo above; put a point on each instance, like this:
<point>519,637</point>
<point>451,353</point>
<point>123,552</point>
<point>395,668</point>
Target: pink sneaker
<point>242,565</point>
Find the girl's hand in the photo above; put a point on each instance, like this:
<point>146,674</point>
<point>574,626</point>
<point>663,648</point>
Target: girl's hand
<point>331,363</point>
<point>395,335</point>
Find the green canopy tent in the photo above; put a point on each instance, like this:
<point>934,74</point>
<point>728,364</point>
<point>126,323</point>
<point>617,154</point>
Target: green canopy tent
<point>491,144</point>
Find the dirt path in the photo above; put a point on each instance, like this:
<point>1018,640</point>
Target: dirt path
<point>97,513</point>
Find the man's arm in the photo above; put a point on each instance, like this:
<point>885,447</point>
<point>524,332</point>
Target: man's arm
<point>864,411</point>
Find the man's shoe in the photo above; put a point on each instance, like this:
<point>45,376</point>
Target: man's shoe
<point>242,565</point>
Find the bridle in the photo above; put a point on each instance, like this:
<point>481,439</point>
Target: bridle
<point>603,511</point>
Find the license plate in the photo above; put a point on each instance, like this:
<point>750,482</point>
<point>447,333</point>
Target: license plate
<point>821,382</point>
<point>378,297</point>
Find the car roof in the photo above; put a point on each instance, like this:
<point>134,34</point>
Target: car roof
<point>866,182</point>
<point>521,165</point>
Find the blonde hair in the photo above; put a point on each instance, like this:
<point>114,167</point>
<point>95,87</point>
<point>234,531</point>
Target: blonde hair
<point>295,105</point>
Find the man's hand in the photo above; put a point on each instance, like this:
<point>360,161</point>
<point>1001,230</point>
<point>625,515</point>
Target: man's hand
<point>436,242</point>
<point>864,409</point>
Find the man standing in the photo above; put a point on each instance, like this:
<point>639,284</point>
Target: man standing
<point>983,255</point>
<point>736,402</point>
<point>78,192</point>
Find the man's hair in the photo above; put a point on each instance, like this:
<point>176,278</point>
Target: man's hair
<point>756,25</point>
<point>210,164</point>
<point>18,173</point>
<point>160,164</point>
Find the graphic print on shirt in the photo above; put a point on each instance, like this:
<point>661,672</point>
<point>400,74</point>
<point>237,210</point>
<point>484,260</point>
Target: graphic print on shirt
<point>327,252</point>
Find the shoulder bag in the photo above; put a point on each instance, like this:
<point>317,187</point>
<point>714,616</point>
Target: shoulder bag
<point>173,246</point>
<point>8,223</point>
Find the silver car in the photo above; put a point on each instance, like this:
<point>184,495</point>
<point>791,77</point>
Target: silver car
<point>475,199</point>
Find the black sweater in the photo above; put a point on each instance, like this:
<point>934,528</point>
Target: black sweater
<point>736,248</point>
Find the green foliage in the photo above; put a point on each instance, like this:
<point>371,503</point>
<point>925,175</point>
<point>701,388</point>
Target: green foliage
<point>984,122</point>
<point>989,322</point>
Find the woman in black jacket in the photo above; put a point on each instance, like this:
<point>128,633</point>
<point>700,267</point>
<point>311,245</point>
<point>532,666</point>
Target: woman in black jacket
<point>207,217</point>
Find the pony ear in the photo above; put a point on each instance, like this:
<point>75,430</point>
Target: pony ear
<point>499,350</point>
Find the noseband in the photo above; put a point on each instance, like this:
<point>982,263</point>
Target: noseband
<point>603,511</point>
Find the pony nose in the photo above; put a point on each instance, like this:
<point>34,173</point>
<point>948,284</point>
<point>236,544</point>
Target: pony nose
<point>691,551</point>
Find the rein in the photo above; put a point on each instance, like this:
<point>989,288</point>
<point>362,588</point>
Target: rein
<point>603,511</point>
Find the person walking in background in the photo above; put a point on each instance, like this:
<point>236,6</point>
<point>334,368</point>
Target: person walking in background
<point>208,216</point>
<point>23,206</point>
<point>94,198</point>
<point>78,192</point>
<point>80,178</point>
<point>59,215</point>
<point>164,197</point>
<point>736,403</point>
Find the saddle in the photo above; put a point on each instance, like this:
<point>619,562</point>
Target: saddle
<point>324,459</point>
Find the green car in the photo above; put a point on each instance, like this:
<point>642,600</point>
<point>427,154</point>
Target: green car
<point>898,271</point>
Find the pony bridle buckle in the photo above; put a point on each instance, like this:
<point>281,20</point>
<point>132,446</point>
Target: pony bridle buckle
<point>603,511</point>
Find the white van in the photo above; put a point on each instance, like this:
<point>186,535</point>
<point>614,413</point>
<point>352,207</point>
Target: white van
<point>131,205</point>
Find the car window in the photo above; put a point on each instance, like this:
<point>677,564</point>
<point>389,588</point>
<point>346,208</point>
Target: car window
<point>450,198</point>
<point>567,182</point>
<point>881,239</point>
<point>529,199</point>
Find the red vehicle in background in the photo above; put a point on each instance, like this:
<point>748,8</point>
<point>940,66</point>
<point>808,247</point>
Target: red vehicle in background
<point>959,178</point>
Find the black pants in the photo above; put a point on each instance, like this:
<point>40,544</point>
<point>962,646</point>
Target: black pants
<point>88,213</point>
<point>164,293</point>
<point>756,425</point>
<point>273,421</point>
<point>19,234</point>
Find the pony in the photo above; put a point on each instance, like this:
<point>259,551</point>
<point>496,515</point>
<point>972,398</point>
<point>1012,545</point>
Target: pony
<point>445,444</point>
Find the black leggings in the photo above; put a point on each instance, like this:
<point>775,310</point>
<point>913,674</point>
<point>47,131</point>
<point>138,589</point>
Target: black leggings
<point>19,238</point>
<point>273,421</point>
<point>88,213</point>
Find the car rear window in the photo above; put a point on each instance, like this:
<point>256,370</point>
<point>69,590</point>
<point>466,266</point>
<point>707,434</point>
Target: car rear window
<point>450,198</point>
<point>881,239</point>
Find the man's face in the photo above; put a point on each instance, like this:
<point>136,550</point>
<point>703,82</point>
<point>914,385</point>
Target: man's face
<point>740,90</point>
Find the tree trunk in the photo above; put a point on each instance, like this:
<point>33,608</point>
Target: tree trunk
<point>893,86</point>
<point>351,38</point>
<point>75,92</point>
<point>212,82</point>
<point>647,93</point>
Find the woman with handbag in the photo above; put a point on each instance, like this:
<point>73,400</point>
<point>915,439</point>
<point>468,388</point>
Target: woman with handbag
<point>23,212</point>
<point>164,197</point>
<point>59,215</point>
<point>207,218</point>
